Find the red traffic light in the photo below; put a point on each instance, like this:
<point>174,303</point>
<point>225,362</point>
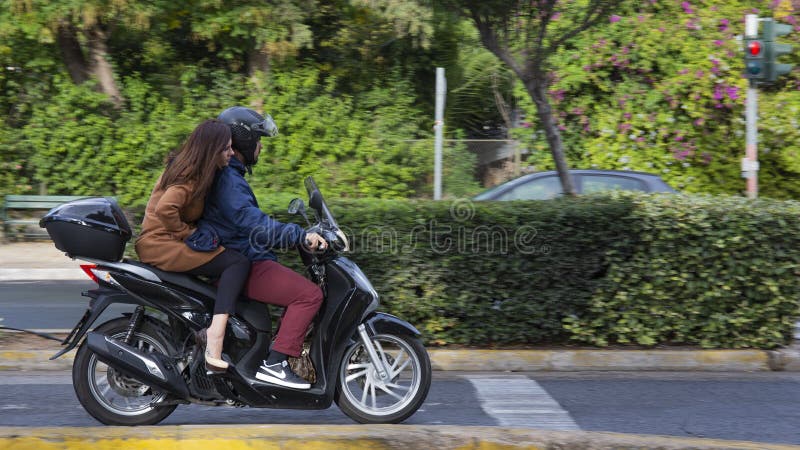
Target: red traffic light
<point>754,48</point>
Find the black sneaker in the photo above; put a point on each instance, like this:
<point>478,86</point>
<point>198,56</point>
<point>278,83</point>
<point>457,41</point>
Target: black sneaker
<point>281,374</point>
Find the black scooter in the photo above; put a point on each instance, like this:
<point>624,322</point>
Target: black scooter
<point>136,369</point>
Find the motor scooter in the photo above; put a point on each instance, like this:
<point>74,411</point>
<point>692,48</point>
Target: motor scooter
<point>136,369</point>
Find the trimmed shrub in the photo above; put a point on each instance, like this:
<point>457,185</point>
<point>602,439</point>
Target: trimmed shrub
<point>713,271</point>
<point>719,272</point>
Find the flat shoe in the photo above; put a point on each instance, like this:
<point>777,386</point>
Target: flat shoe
<point>215,365</point>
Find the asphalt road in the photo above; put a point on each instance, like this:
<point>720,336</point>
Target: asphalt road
<point>761,407</point>
<point>52,305</point>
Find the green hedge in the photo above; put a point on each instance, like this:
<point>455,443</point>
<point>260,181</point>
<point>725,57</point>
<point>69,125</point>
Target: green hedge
<point>713,271</point>
<point>719,272</point>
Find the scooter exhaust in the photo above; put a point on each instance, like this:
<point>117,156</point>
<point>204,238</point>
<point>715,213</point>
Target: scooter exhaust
<point>151,369</point>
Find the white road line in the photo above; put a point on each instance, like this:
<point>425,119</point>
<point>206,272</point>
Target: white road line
<point>517,401</point>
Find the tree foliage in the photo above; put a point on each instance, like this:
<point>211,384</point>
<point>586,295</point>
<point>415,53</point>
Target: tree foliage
<point>524,35</point>
<point>654,86</point>
<point>340,80</point>
<point>658,87</point>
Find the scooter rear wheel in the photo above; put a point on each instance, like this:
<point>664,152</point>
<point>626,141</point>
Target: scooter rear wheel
<point>112,397</point>
<point>364,397</point>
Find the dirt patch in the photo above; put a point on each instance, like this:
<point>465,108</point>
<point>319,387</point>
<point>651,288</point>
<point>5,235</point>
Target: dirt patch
<point>27,341</point>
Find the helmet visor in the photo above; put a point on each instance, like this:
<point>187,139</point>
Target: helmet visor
<point>266,127</point>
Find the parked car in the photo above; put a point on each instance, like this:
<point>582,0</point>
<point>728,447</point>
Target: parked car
<point>547,185</point>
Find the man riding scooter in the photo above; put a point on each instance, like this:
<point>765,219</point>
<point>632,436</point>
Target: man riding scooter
<point>232,210</point>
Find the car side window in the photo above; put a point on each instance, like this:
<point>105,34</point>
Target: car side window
<point>600,183</point>
<point>544,188</point>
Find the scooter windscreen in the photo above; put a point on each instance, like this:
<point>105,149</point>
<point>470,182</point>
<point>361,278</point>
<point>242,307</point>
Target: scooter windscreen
<point>317,202</point>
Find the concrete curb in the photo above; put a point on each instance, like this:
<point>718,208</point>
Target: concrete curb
<point>611,360</point>
<point>532,360</point>
<point>372,437</point>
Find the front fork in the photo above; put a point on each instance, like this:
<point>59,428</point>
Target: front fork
<point>377,361</point>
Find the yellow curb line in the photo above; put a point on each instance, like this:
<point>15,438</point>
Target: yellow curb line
<point>373,437</point>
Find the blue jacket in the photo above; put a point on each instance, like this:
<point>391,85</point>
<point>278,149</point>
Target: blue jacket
<point>232,211</point>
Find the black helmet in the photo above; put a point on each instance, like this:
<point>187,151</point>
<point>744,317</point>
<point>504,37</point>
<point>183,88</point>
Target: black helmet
<point>247,127</point>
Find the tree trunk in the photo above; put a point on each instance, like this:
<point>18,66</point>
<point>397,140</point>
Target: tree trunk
<point>536,85</point>
<point>257,62</point>
<point>101,68</point>
<point>72,54</point>
<point>502,105</point>
<point>258,68</point>
<point>537,89</point>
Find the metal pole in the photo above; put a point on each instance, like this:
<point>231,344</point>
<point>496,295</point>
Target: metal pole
<point>750,161</point>
<point>438,126</point>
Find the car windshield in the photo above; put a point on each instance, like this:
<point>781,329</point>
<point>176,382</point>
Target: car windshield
<point>317,203</point>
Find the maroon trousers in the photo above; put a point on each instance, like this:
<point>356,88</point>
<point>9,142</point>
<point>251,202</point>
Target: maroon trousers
<point>275,284</point>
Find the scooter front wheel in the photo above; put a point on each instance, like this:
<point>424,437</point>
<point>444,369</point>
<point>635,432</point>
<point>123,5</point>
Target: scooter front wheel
<point>366,398</point>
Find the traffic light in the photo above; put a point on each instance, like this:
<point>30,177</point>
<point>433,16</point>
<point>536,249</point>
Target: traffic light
<point>773,50</point>
<point>754,60</point>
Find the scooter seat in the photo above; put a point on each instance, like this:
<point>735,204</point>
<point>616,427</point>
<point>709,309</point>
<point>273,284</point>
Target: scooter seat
<point>179,279</point>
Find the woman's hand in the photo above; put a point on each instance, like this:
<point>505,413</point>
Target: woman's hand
<point>316,242</point>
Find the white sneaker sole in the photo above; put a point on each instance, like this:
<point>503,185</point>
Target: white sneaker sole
<point>278,381</point>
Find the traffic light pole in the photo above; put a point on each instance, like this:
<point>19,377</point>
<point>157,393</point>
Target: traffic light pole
<point>750,162</point>
<point>761,53</point>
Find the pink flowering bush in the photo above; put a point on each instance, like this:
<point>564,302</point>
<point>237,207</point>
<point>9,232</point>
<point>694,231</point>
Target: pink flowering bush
<point>659,88</point>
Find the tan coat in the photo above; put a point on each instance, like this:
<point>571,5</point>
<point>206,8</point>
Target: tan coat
<point>168,219</point>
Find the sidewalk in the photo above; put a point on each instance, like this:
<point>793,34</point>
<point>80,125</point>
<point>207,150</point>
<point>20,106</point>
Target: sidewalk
<point>42,261</point>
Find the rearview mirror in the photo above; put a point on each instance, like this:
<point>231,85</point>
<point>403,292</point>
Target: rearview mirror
<point>296,206</point>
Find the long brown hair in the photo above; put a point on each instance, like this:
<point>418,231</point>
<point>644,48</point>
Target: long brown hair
<point>198,158</point>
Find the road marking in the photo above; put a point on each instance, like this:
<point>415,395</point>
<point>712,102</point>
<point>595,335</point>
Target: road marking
<point>518,401</point>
